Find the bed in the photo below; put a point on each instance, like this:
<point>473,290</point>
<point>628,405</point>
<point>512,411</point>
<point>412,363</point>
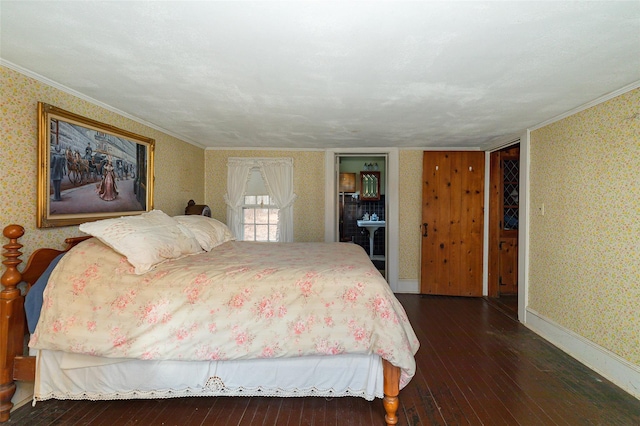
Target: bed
<point>212,317</point>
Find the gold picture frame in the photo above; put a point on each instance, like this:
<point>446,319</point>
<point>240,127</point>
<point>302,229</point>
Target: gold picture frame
<point>88,170</point>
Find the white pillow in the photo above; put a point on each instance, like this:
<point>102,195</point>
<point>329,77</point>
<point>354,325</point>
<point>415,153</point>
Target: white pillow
<point>146,240</point>
<point>209,232</point>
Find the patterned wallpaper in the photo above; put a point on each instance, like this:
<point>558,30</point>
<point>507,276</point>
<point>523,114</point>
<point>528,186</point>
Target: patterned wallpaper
<point>178,177</point>
<point>308,185</point>
<point>309,207</point>
<point>585,249</point>
<point>410,200</point>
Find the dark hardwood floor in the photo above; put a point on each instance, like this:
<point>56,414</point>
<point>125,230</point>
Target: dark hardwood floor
<point>476,365</point>
<point>507,304</point>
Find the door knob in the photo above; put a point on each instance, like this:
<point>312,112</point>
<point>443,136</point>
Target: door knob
<point>425,226</point>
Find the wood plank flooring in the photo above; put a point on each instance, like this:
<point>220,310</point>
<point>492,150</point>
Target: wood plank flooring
<point>476,366</point>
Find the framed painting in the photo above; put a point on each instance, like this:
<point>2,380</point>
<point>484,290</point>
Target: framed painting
<point>88,170</point>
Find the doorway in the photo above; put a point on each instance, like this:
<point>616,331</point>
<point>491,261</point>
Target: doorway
<point>504,215</point>
<point>360,199</point>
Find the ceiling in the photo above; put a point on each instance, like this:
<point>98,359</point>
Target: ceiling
<point>329,74</point>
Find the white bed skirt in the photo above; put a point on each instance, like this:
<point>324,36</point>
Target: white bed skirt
<point>64,376</point>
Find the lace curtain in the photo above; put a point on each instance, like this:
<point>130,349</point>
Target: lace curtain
<point>277,174</point>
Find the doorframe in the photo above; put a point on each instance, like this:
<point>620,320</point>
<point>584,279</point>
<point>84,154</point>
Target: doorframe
<point>495,216</point>
<point>392,227</point>
<point>524,213</point>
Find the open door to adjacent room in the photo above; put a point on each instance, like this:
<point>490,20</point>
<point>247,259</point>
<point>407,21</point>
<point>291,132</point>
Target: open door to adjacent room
<point>504,221</point>
<point>357,200</point>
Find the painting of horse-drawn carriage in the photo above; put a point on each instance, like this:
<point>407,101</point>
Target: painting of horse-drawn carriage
<point>88,170</point>
<point>91,168</point>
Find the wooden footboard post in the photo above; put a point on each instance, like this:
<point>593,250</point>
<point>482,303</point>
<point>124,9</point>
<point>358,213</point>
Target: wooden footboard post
<point>11,318</point>
<point>391,391</point>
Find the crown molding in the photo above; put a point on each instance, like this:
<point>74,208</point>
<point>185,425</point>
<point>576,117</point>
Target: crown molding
<point>601,99</point>
<point>86,98</point>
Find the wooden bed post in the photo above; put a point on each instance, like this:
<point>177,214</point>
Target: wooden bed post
<point>12,319</point>
<point>391,390</point>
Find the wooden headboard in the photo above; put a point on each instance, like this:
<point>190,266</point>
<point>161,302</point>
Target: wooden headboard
<point>198,209</point>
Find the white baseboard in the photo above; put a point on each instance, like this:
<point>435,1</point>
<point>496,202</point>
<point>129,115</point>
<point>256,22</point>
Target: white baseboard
<point>408,286</point>
<point>23,395</point>
<point>601,360</point>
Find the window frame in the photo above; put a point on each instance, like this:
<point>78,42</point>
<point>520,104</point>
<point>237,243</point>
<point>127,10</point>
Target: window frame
<point>271,224</point>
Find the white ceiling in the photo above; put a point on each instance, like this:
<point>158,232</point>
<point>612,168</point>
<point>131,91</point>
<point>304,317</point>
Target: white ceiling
<point>329,74</point>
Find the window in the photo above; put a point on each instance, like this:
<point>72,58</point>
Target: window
<point>259,210</point>
<point>260,198</point>
<point>259,219</point>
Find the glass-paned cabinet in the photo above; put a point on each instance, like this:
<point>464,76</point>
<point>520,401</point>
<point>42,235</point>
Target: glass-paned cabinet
<point>369,185</point>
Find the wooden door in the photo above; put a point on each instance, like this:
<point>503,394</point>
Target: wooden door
<point>503,222</point>
<point>508,261</point>
<point>452,223</point>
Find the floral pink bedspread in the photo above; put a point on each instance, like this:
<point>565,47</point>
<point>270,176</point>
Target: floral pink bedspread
<point>240,300</point>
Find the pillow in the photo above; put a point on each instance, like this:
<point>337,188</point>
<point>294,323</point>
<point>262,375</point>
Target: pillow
<point>209,232</point>
<point>146,240</point>
<point>33,300</point>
